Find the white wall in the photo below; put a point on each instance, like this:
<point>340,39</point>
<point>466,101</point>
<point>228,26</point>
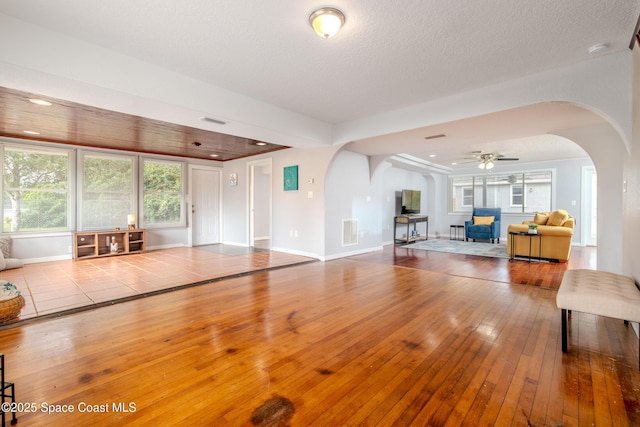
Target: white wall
<point>391,181</point>
<point>235,204</point>
<point>349,195</point>
<point>603,145</point>
<point>297,216</point>
<point>262,202</point>
<point>631,182</point>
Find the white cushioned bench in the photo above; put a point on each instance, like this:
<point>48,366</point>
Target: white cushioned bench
<point>598,292</point>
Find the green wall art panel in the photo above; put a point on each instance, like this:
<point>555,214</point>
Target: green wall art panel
<point>290,178</point>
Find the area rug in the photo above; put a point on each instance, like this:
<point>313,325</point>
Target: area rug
<point>494,250</point>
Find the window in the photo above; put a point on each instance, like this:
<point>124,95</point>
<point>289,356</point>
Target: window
<point>461,193</point>
<point>517,195</point>
<point>35,189</point>
<point>108,195</point>
<point>521,192</point>
<point>467,196</point>
<point>162,193</point>
<point>39,189</point>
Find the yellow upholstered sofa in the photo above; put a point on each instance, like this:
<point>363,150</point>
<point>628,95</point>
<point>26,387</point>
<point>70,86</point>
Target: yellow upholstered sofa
<point>556,229</point>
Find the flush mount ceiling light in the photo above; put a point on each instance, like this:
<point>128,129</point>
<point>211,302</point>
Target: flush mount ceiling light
<point>327,21</point>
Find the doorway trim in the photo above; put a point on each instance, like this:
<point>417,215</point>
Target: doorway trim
<point>251,168</point>
<point>588,205</point>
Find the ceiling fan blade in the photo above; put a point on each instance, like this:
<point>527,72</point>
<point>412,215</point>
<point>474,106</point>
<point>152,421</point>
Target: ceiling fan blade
<point>507,158</point>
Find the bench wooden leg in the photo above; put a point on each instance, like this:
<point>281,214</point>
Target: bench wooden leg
<point>626,322</point>
<point>564,330</point>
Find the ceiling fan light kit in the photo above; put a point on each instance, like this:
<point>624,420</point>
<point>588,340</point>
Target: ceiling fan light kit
<point>487,164</point>
<point>487,160</point>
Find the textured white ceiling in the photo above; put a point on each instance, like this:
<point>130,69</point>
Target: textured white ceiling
<point>388,55</point>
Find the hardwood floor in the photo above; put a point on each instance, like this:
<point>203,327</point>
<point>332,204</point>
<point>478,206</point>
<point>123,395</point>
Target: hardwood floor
<point>545,274</point>
<point>51,288</point>
<point>356,341</point>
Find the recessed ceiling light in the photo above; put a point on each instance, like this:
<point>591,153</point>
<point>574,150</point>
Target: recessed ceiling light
<point>214,155</point>
<point>261,143</point>
<point>432,155</point>
<point>30,132</point>
<point>40,102</point>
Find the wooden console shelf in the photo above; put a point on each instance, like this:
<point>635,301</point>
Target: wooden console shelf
<point>94,244</point>
<point>408,220</point>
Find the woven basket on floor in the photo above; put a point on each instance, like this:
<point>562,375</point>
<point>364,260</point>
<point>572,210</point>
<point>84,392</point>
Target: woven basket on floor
<point>11,308</point>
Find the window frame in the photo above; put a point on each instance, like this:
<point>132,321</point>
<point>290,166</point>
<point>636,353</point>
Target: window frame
<point>82,155</point>
<point>512,194</point>
<point>70,186</point>
<point>481,183</point>
<point>183,220</point>
<point>465,196</point>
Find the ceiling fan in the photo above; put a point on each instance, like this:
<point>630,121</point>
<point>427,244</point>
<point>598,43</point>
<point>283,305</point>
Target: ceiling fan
<point>487,159</point>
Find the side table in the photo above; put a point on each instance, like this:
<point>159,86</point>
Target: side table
<point>454,230</point>
<point>512,234</point>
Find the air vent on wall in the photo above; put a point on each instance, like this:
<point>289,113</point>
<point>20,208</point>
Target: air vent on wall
<point>349,232</point>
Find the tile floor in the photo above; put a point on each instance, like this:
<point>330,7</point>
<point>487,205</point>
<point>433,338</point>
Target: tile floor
<point>53,287</point>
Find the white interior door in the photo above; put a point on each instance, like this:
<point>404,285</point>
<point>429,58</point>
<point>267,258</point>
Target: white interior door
<point>205,206</point>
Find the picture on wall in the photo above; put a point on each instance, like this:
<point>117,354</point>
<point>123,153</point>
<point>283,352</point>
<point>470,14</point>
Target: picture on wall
<point>291,178</point>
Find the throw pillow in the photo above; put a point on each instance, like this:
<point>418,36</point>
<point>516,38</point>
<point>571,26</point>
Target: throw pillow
<point>557,217</point>
<point>3,263</point>
<point>482,220</point>
<point>541,218</point>
<point>5,246</point>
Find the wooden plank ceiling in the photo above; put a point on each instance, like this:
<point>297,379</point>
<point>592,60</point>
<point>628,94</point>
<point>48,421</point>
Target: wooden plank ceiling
<point>71,123</point>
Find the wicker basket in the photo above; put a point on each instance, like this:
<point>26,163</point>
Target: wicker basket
<point>10,308</point>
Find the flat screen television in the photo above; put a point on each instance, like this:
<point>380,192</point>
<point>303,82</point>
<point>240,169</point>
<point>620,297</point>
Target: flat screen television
<point>410,201</point>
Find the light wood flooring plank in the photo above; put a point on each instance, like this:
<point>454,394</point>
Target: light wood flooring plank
<point>346,342</point>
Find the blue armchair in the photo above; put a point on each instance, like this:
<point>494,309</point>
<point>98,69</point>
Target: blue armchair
<point>488,231</point>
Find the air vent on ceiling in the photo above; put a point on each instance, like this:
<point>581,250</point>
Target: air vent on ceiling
<point>216,121</point>
<point>440,135</point>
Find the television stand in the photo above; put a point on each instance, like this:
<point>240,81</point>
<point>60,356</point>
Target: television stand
<point>408,220</point>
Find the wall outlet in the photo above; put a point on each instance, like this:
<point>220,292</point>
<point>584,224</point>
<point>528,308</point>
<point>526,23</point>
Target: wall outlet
<point>69,249</point>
